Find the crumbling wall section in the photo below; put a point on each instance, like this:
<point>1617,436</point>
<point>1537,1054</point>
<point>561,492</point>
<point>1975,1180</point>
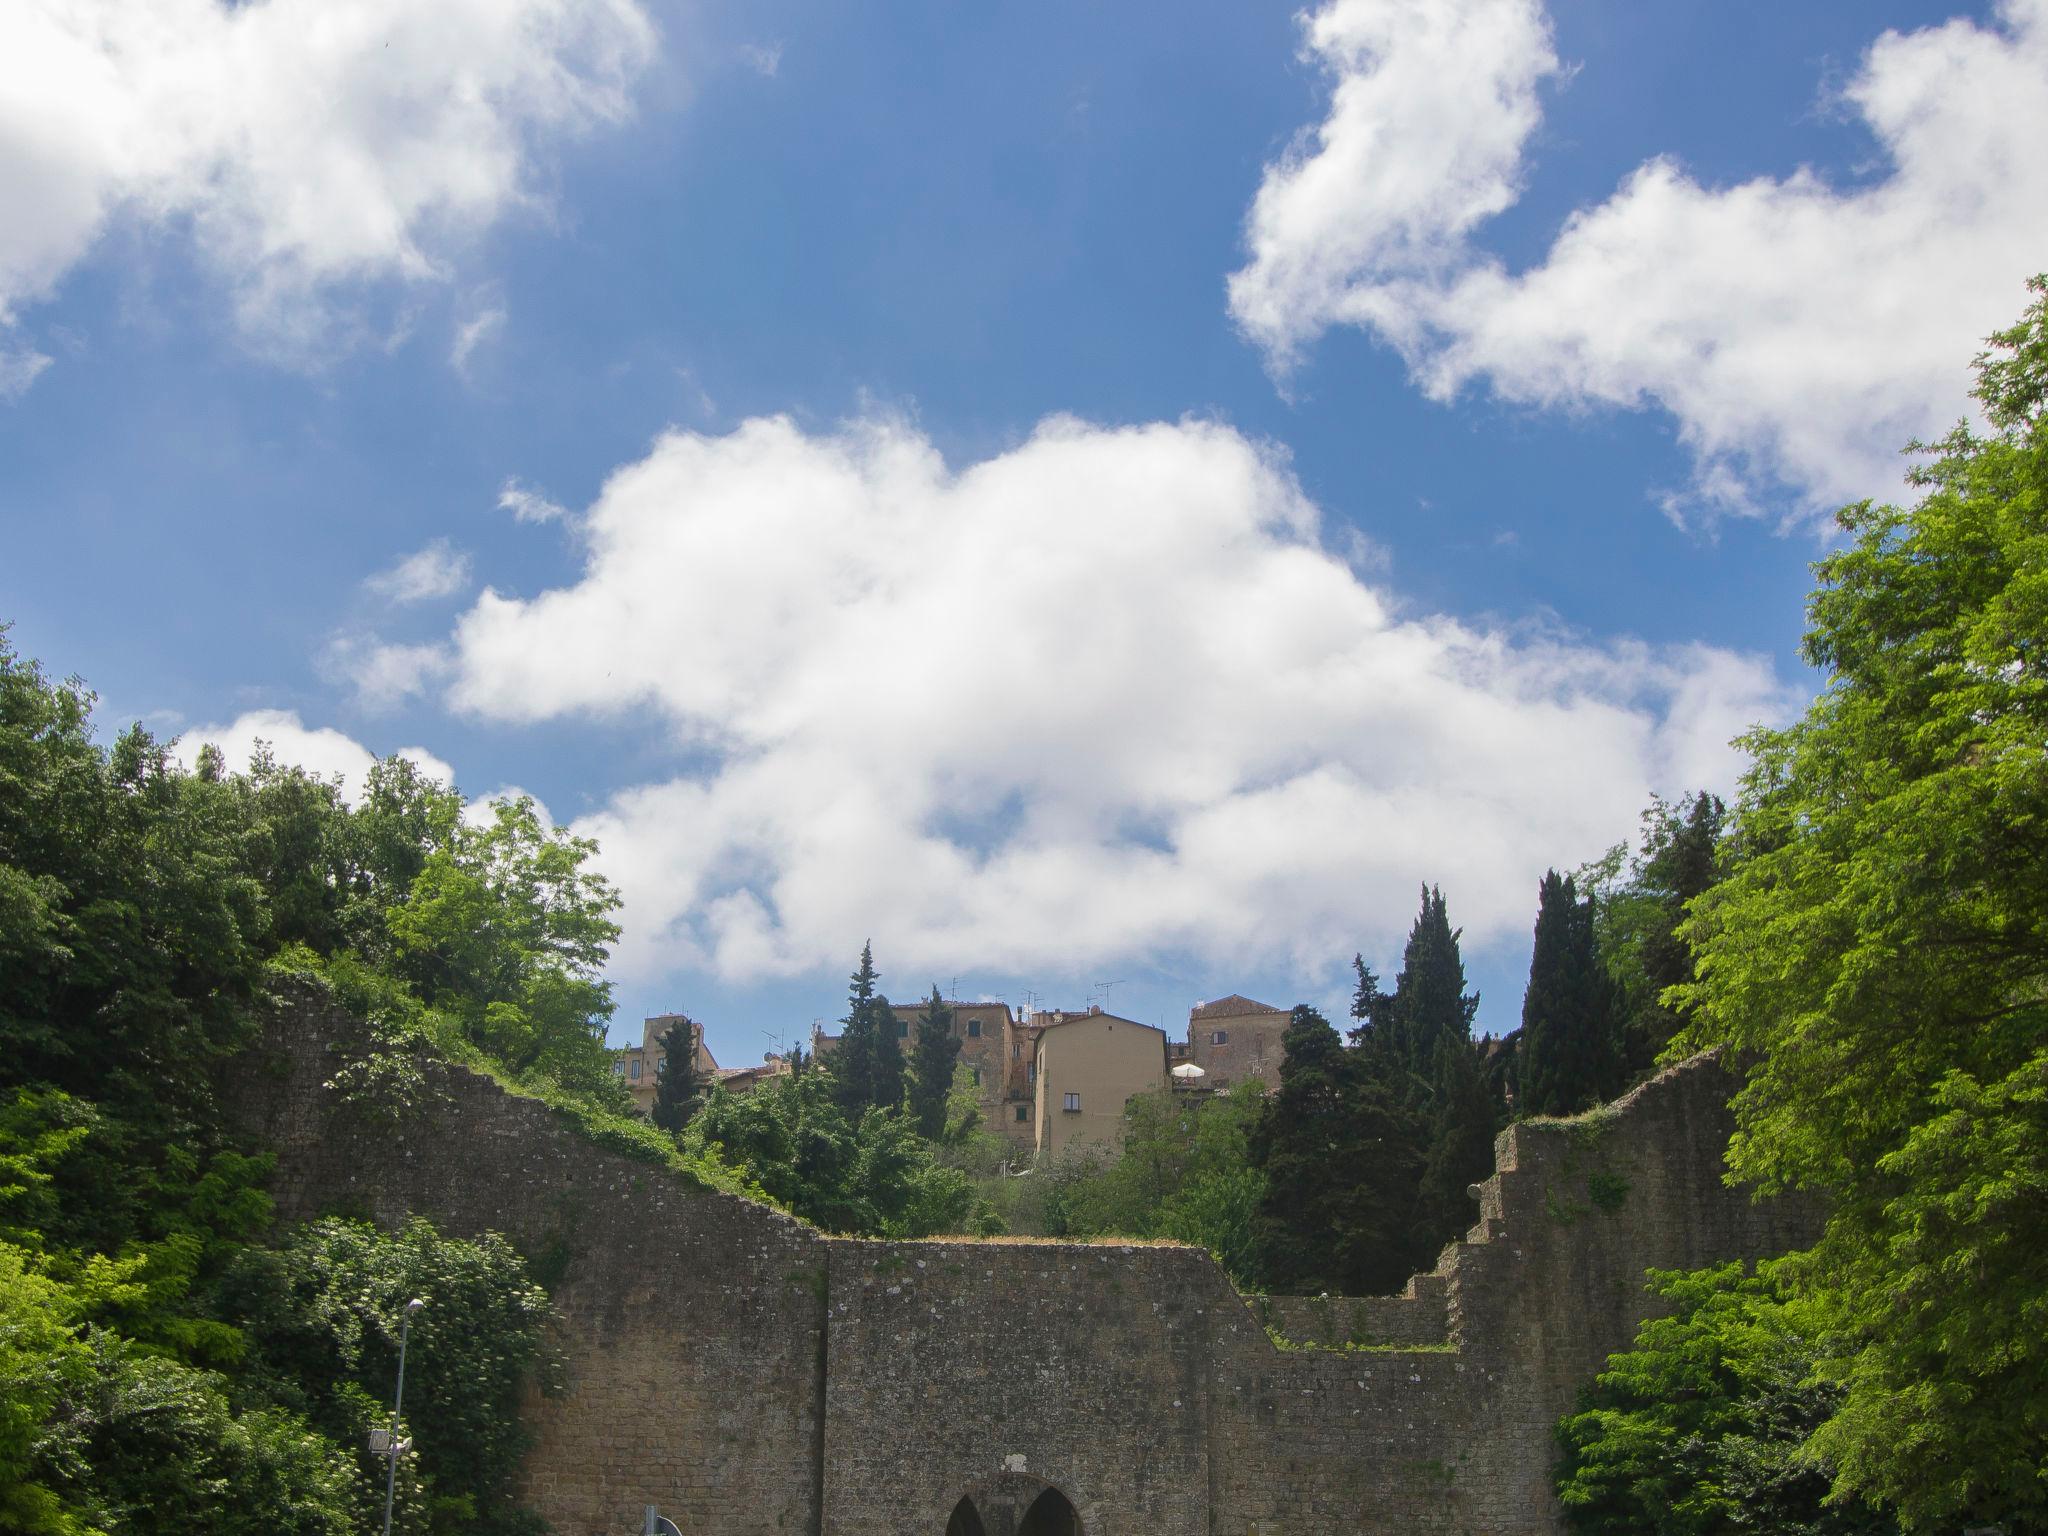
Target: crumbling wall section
<point>691,1322</point>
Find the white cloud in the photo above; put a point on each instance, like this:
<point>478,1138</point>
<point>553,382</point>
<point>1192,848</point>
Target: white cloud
<point>439,570</point>
<point>320,750</point>
<point>764,59</point>
<point>1797,330</point>
<point>471,334</point>
<point>526,504</point>
<point>480,811</point>
<point>305,144</point>
<point>382,674</point>
<point>1105,696</point>
<point>18,369</point>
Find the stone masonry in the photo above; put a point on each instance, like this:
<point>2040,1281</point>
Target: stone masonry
<point>750,1375</point>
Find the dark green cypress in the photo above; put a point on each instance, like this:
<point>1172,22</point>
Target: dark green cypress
<point>936,1054</point>
<point>1570,1052</point>
<point>1338,1152</point>
<point>675,1083</point>
<point>853,1064</point>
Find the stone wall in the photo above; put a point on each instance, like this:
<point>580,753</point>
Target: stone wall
<point>749,1375</point>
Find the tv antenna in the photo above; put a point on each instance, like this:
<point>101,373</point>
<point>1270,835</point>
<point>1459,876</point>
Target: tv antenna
<point>1103,987</point>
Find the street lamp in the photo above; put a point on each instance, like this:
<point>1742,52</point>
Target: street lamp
<point>392,1446</point>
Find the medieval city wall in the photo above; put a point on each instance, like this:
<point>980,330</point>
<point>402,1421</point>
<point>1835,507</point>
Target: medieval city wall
<point>749,1375</point>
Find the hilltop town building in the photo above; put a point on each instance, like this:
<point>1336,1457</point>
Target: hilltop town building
<point>1236,1040</point>
<point>1089,1066</point>
<point>640,1065</point>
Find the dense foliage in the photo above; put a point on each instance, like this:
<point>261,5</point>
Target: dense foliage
<point>1875,955</point>
<point>154,1362</point>
<point>1699,1429</point>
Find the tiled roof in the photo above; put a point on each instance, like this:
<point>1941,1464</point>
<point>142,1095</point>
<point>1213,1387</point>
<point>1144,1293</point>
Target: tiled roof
<point>1232,1007</point>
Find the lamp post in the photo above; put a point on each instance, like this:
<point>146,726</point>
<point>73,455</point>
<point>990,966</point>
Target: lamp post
<point>394,1447</point>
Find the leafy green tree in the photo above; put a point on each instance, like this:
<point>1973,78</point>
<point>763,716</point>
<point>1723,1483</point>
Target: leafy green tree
<point>1569,1056</point>
<point>675,1086</point>
<point>1640,900</point>
<point>936,1055</point>
<point>1877,961</point>
<point>1698,1430</point>
<point>872,1177</point>
<point>1341,1157</point>
<point>323,1316</point>
<point>507,929</point>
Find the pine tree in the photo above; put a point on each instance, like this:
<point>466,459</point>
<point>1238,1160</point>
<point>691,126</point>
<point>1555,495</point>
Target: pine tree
<point>931,1069</point>
<point>1570,1052</point>
<point>675,1080</point>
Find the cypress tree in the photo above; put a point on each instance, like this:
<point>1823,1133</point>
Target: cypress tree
<point>675,1081</point>
<point>1570,1052</point>
<point>1461,1144</point>
<point>1338,1152</point>
<point>886,1090</point>
<point>931,1069</point>
<point>854,1063</point>
<point>1430,1004</point>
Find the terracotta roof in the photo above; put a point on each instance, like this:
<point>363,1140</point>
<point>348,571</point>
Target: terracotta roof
<point>1232,1007</point>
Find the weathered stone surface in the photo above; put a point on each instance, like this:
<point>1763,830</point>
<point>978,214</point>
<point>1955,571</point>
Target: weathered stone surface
<point>749,1375</point>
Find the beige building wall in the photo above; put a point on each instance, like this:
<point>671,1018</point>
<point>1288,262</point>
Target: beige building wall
<point>640,1064</point>
<point>1088,1067</point>
<point>1237,1040</point>
<point>983,1030</point>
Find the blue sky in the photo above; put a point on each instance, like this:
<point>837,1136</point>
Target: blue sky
<point>1445,404</point>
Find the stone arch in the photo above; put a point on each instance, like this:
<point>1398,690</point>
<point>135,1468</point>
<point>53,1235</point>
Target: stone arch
<point>1052,1513</point>
<point>1015,1504</point>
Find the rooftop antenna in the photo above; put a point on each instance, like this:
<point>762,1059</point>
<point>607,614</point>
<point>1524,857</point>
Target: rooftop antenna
<point>1103,987</point>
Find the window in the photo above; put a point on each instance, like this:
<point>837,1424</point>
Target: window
<point>1073,1102</point>
<point>1023,1113</point>
<point>1031,1074</point>
<point>974,1029</point>
<point>1016,1051</point>
<point>1221,1037</point>
<point>902,1030</point>
<point>636,1071</point>
<point>619,1068</point>
<point>974,1073</point>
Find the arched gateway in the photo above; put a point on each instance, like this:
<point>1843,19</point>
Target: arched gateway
<point>1014,1504</point>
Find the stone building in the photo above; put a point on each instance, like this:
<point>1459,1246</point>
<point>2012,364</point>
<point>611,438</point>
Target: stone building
<point>1234,1040</point>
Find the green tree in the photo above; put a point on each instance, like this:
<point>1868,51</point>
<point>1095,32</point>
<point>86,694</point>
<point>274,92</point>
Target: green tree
<point>1878,963</point>
<point>1569,1056</point>
<point>936,1054</point>
<point>1699,1429</point>
<point>1430,1004</point>
<point>1341,1157</point>
<point>675,1085</point>
<point>1640,901</point>
<point>857,1061</point>
<point>1462,1125</point>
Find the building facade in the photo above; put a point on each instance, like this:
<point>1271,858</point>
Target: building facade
<point>1088,1067</point>
<point>640,1065</point>
<point>1237,1040</point>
